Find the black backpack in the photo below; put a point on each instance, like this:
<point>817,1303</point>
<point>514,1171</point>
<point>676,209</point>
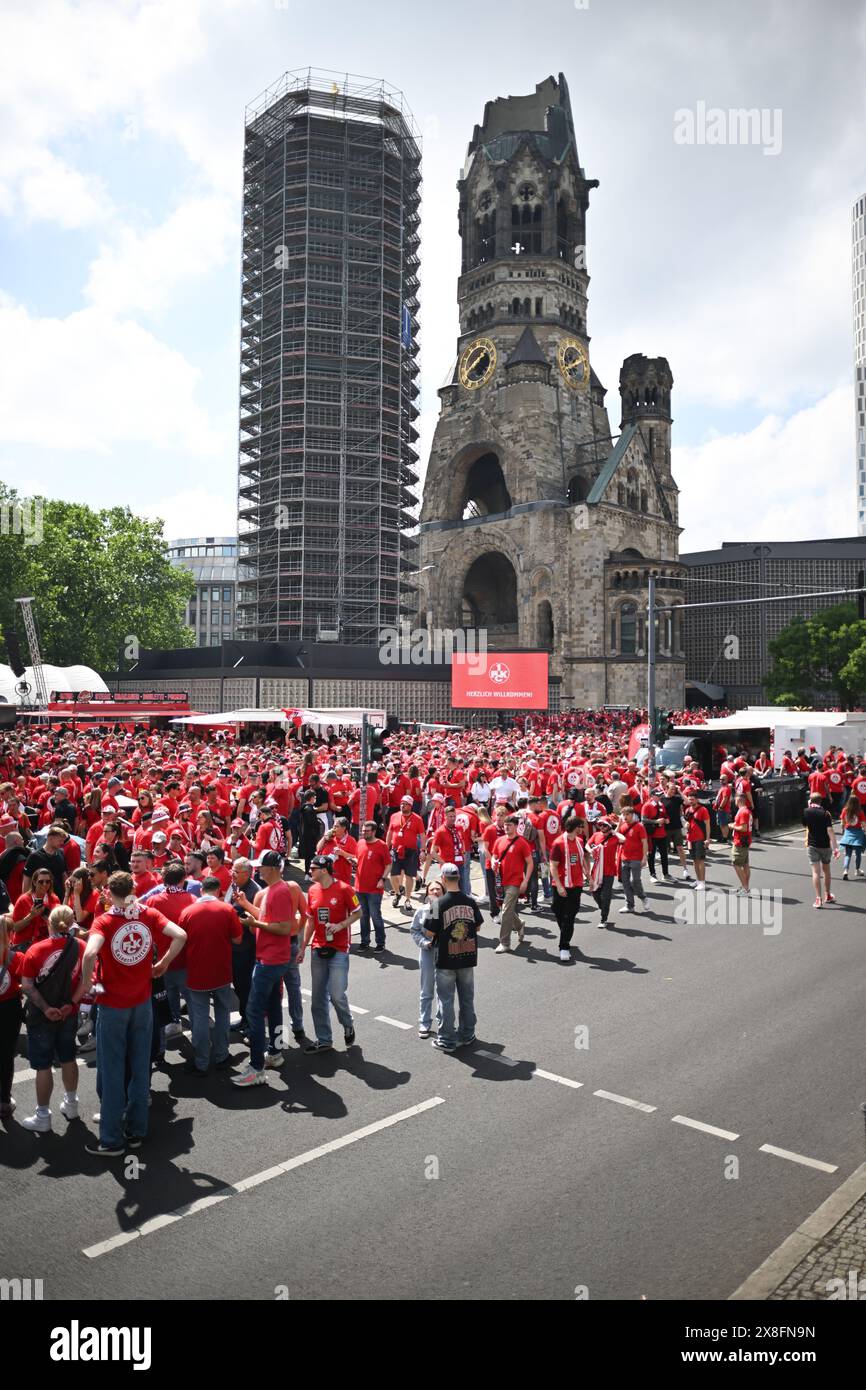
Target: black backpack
<point>55,987</point>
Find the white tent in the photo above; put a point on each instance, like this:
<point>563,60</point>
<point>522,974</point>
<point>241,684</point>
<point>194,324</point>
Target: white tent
<point>346,717</point>
<point>234,716</point>
<point>74,678</point>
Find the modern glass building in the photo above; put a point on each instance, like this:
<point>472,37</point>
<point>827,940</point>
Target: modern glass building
<point>329,341</point>
<point>858,267</point>
<point>212,561</point>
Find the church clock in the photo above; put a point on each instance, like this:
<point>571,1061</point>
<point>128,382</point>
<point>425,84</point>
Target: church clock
<point>477,363</point>
<point>573,363</point>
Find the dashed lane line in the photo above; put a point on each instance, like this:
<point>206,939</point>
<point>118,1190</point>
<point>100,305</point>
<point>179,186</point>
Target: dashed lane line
<point>563,1080</point>
<point>704,1129</point>
<point>799,1158</point>
<point>394,1022</point>
<point>626,1100</point>
<point>157,1223</point>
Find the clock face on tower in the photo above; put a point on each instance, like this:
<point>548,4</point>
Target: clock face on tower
<point>573,363</point>
<point>477,362</point>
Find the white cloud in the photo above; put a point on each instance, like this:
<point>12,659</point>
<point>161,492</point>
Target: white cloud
<point>92,382</point>
<point>784,480</point>
<point>50,190</point>
<point>142,271</point>
<point>194,512</point>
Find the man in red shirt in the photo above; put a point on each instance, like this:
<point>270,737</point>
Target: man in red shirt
<point>172,902</point>
<point>277,914</point>
<point>143,877</point>
<point>697,834</point>
<point>742,839</point>
<point>404,838</point>
<point>374,860</point>
<point>212,928</point>
<point>332,908</point>
<point>124,940</point>
<point>342,847</point>
<point>366,810</point>
<point>513,862</point>
<point>605,843</point>
<point>654,819</point>
<point>569,862</point>
<point>634,843</point>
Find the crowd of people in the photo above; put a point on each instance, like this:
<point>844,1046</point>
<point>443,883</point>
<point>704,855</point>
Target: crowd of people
<point>153,883</point>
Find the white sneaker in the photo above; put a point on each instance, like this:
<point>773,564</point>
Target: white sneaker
<point>39,1124</point>
<point>639,905</point>
<point>700,884</point>
<point>96,1117</point>
<point>624,909</point>
<point>69,1108</point>
<point>501,950</point>
<point>174,1030</point>
<point>653,880</point>
<point>250,1077</point>
<point>685,876</point>
<point>274,1060</point>
<point>565,955</point>
<point>860,873</point>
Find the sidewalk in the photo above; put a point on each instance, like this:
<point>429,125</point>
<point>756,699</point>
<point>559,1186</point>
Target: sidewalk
<point>830,1244</point>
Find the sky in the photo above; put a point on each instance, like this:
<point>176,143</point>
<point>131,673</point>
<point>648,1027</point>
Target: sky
<point>121,137</point>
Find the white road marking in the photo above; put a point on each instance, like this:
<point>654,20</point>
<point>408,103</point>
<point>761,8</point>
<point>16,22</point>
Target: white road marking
<point>27,1075</point>
<point>624,1100</point>
<point>394,1022</point>
<point>799,1158</point>
<point>705,1129</point>
<point>213,1198</point>
<point>563,1080</point>
<point>356,1008</point>
<point>496,1057</point>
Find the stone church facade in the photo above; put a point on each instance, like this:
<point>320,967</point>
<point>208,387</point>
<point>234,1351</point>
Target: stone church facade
<point>537,524</point>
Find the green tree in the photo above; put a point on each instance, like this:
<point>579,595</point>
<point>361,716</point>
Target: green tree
<point>98,578</point>
<point>822,654</point>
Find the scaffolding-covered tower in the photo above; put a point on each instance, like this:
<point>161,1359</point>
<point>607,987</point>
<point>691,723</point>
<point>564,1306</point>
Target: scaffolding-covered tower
<point>329,334</point>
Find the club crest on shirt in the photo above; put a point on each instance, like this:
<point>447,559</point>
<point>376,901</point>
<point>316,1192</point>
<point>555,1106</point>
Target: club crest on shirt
<point>131,944</point>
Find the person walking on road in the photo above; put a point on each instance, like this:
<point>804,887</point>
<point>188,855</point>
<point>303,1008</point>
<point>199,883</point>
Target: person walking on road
<point>332,910</point>
<point>634,843</point>
<point>821,847</point>
<point>513,862</point>
<point>569,866</point>
<point>453,928</point>
<point>742,827</point>
<point>853,839</point>
<point>212,927</point>
<point>426,958</point>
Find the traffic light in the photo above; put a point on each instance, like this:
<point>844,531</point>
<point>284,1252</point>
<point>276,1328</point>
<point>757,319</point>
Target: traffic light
<point>663,726</point>
<point>378,745</point>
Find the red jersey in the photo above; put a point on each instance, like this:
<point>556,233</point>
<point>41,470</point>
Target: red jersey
<point>567,855</point>
<point>742,824</point>
<point>342,870</point>
<point>326,907</point>
<point>548,825</point>
<point>127,954</point>
<point>450,845</point>
<point>43,955</point>
<point>698,824</point>
<point>38,929</point>
<point>211,927</point>
<point>374,861</point>
<point>635,843</point>
<point>512,857</point>
<point>404,832</point>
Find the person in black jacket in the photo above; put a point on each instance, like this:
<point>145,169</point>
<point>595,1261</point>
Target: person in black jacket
<point>453,929</point>
<point>311,830</point>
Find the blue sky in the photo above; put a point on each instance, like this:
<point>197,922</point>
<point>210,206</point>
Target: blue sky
<point>120,201</point>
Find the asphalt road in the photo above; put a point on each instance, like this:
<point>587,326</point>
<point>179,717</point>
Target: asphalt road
<point>394,1171</point>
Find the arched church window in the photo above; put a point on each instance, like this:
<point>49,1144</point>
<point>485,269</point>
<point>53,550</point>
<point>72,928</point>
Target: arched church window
<point>628,629</point>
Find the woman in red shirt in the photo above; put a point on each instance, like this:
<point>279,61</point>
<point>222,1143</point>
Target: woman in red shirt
<point>853,838</point>
<point>10,1015</point>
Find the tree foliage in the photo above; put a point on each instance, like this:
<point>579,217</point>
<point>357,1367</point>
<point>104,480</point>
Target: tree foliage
<point>98,578</point>
<point>822,654</point>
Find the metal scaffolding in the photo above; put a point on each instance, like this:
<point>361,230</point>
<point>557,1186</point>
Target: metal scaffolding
<point>329,341</point>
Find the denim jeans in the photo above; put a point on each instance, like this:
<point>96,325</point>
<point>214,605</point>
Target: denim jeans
<point>465,870</point>
<point>123,1036</point>
<point>264,1002</point>
<point>427,962</point>
<point>463,982</point>
<point>199,1017</point>
<point>631,881</point>
<point>330,983</point>
<point>371,908</point>
<point>175,986</point>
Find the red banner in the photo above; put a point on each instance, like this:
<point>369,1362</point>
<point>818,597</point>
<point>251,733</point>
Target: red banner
<point>499,680</point>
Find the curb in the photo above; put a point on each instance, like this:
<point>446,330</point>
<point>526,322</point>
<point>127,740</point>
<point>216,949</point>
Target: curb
<point>776,1268</point>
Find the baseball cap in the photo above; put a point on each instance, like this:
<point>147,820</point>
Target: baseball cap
<point>322,861</point>
<point>271,860</point>
<point>160,836</point>
<point>405,799</point>
<point>450,871</point>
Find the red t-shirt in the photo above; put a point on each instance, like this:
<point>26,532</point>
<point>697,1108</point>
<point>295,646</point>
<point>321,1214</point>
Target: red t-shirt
<point>403,831</point>
<point>449,843</point>
<point>567,855</point>
<point>818,783</point>
<point>611,849</point>
<point>511,856</point>
<point>858,787</point>
<point>654,810</point>
<point>172,903</point>
<point>211,927</point>
<point>41,957</point>
<point>38,928</point>
<point>278,903</point>
<point>342,870</point>
<point>698,824</point>
<point>374,861</point>
<point>743,826</point>
<point>330,905</point>
<point>126,954</point>
<point>548,824</point>
<point>635,842</point>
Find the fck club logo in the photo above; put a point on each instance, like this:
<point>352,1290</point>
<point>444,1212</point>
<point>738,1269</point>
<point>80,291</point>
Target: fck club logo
<point>499,673</point>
